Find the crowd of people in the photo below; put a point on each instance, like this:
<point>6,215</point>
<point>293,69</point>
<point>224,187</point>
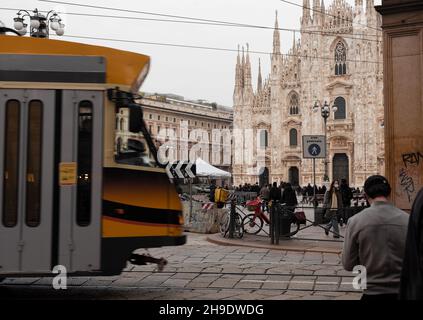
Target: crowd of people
<point>382,238</point>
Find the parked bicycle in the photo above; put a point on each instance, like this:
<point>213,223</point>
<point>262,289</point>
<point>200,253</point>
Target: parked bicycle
<point>225,225</point>
<point>253,222</point>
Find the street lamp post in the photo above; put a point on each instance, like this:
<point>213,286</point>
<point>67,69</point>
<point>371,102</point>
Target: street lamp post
<point>325,110</point>
<point>38,23</point>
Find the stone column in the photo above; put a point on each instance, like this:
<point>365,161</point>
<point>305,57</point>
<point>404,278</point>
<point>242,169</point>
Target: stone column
<point>403,84</point>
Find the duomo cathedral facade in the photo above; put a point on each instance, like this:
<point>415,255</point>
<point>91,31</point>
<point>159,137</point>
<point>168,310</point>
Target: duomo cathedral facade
<point>338,59</point>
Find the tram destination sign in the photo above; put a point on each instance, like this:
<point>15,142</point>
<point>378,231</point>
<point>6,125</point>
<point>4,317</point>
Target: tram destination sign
<point>314,147</point>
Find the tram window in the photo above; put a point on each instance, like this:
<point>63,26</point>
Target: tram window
<point>33,173</point>
<point>85,153</point>
<point>11,154</point>
<point>135,150</point>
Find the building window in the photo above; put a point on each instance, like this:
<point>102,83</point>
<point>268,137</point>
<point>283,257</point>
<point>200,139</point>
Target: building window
<point>340,59</point>
<point>293,104</point>
<point>174,119</point>
<point>293,137</point>
<point>158,117</point>
<point>151,116</point>
<point>167,118</point>
<point>263,138</point>
<point>341,105</point>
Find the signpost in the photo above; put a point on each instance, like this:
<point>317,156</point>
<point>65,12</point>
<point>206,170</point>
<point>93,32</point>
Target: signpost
<point>314,147</point>
<point>182,170</point>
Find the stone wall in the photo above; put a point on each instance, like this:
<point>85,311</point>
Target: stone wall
<point>202,220</point>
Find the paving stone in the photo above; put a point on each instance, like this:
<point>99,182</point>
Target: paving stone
<point>189,276</point>
<point>301,285</point>
<point>248,284</point>
<point>326,287</point>
<point>97,282</point>
<point>313,297</point>
<point>255,277</point>
<point>279,285</point>
<point>268,293</point>
<point>22,281</point>
<point>126,282</point>
<point>281,297</point>
<point>175,283</point>
<point>218,295</point>
<point>223,283</point>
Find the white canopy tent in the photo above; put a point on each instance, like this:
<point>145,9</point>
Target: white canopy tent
<point>204,169</point>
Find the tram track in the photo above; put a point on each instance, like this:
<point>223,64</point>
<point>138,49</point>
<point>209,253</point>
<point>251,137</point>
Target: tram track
<point>176,288</point>
<point>243,274</point>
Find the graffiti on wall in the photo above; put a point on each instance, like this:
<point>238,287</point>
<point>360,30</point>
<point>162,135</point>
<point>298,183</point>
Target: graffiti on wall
<point>412,159</point>
<point>409,175</point>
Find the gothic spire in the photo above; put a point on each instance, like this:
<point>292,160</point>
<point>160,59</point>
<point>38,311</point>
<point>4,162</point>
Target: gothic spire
<point>306,12</point>
<point>323,9</point>
<point>316,11</point>
<point>358,7</point>
<point>238,71</point>
<point>247,70</point>
<point>259,84</point>
<point>276,37</point>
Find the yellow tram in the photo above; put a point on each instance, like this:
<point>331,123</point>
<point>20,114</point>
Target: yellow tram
<point>71,192</point>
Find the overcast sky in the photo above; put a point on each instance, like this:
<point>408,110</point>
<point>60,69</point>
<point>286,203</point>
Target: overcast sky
<point>192,73</point>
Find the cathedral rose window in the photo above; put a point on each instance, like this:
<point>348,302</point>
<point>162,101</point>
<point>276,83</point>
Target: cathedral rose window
<point>340,59</point>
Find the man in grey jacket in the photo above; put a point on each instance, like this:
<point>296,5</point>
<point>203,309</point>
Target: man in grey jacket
<point>375,238</point>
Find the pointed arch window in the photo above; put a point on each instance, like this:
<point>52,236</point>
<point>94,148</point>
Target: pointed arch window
<point>340,59</point>
<point>293,140</point>
<point>293,104</point>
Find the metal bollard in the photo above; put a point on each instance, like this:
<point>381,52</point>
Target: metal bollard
<point>272,224</point>
<point>232,220</point>
<point>277,222</point>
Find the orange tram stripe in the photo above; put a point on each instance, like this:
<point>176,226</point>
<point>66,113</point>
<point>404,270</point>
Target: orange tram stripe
<point>138,222</point>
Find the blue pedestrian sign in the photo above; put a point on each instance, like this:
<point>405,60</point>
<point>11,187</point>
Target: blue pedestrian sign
<point>314,146</point>
<point>314,149</point>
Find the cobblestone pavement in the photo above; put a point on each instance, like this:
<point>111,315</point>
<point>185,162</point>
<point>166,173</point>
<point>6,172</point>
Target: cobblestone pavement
<point>202,270</point>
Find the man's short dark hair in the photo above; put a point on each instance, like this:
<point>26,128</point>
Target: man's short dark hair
<point>377,186</point>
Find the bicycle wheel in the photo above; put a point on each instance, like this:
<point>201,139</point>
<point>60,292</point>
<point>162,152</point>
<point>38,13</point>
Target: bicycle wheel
<point>252,224</point>
<point>239,228</point>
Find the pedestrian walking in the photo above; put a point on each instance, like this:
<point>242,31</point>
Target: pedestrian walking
<point>333,204</point>
<point>411,287</point>
<point>346,200</point>
<point>275,193</point>
<point>289,197</point>
<point>264,195</point>
<point>375,238</point>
